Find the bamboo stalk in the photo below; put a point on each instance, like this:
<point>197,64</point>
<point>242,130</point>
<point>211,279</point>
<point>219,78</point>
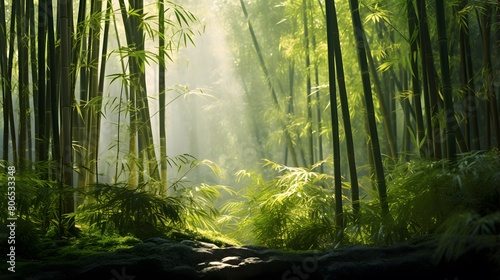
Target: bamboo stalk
<point>269,84</point>
<point>335,42</point>
<point>370,111</point>
<point>445,76</point>
<point>308,82</point>
<point>331,23</point>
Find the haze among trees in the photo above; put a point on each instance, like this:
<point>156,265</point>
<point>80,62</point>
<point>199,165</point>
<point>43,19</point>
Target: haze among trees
<point>356,122</point>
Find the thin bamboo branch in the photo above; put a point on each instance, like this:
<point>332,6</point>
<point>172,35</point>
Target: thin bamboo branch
<point>269,84</point>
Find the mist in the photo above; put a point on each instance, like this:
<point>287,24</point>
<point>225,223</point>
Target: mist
<point>206,113</point>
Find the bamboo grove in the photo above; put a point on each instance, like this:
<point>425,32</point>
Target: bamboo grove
<point>54,56</point>
<point>339,92</point>
<point>414,79</point>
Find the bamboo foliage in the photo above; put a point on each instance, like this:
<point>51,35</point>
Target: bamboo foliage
<point>55,79</point>
<point>269,84</point>
<point>62,67</point>
<point>401,67</point>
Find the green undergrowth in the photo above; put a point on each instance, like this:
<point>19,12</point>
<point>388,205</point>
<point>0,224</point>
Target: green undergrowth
<point>456,203</point>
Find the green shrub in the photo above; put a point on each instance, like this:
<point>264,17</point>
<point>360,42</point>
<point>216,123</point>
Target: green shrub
<point>129,210</point>
<point>36,206</point>
<point>143,212</point>
<point>295,210</point>
<point>424,194</point>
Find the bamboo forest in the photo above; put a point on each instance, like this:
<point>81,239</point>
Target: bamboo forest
<point>250,139</point>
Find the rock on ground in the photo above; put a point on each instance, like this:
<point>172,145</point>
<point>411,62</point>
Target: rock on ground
<point>158,258</point>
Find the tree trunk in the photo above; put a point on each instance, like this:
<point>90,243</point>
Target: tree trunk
<point>288,138</point>
<point>8,105</point>
<point>415,81</point>
<point>66,95</point>
<point>3,81</point>
<point>94,97</point>
<point>319,122</point>
<point>52,98</point>
<point>470,102</point>
<point>331,22</point>
<point>370,111</point>
<point>30,10</point>
<point>79,114</point>
<point>161,90</point>
<point>334,42</point>
<point>386,116</point>
<point>23,81</point>
<point>309,119</point>
<point>429,82</point>
<point>491,98</point>
<point>451,126</point>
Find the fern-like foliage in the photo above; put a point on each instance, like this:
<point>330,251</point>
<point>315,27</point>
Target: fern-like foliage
<point>458,201</point>
<point>130,210</point>
<point>295,210</point>
<point>143,212</point>
<point>36,194</point>
<point>424,194</point>
<point>36,205</point>
<point>469,231</point>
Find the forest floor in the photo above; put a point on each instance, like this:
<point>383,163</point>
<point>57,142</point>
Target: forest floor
<point>129,258</point>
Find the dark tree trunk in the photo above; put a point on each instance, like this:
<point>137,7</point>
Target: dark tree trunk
<point>331,22</point>
<point>370,111</point>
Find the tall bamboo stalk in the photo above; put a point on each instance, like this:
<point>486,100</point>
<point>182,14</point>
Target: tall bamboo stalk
<point>162,93</point>
<point>290,107</point>
<point>319,122</point>
<point>429,82</point>
<point>370,111</point>
<point>3,81</point>
<point>386,116</point>
<point>79,58</point>
<point>30,11</point>
<point>94,97</point>
<point>335,43</point>
<point>23,81</point>
<point>415,81</point>
<point>10,128</point>
<point>263,66</point>
<point>146,135</point>
<point>470,102</point>
<point>52,98</point>
<point>445,76</point>
<point>331,22</point>
<point>491,99</point>
<point>66,159</point>
<point>308,82</point>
